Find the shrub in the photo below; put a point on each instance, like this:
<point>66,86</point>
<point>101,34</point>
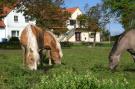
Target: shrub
<point>13,43</point>
<point>66,44</point>
<point>14,40</point>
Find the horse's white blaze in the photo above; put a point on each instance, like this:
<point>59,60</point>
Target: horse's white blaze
<point>32,45</point>
<point>57,44</point>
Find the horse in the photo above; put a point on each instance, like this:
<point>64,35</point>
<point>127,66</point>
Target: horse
<point>34,41</point>
<point>125,42</point>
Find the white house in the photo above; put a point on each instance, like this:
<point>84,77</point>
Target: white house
<point>12,24</point>
<point>74,35</point>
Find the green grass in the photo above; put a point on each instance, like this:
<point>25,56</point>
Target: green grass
<point>82,68</point>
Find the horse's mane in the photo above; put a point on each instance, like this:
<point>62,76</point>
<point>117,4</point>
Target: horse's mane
<point>32,42</point>
<point>57,43</point>
<point>115,45</point>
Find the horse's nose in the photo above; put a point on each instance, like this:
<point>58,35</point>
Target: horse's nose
<point>57,62</point>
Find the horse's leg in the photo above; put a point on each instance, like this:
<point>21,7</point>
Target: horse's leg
<point>24,55</point>
<point>49,56</point>
<point>132,52</point>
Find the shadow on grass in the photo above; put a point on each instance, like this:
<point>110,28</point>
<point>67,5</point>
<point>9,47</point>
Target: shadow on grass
<point>129,70</point>
<point>99,67</point>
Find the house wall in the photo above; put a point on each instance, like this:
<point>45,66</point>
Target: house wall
<point>12,25</point>
<point>2,34</point>
<point>74,17</point>
<point>85,36</point>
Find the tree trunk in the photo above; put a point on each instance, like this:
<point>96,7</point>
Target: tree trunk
<point>94,42</point>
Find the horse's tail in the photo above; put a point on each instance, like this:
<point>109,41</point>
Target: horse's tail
<point>57,43</point>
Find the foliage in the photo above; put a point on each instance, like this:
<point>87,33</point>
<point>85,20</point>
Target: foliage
<point>105,35</point>
<point>123,10</point>
<point>10,45</point>
<point>7,3</point>
<point>66,44</point>
<point>14,39</point>
<point>13,43</point>
<point>46,12</point>
<point>73,81</point>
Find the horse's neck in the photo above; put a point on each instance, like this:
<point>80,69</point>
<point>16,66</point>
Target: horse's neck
<point>114,48</point>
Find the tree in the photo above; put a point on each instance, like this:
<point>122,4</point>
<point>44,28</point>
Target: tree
<point>47,13</point>
<point>91,21</point>
<point>123,10</point>
<point>94,16</point>
<point>105,35</point>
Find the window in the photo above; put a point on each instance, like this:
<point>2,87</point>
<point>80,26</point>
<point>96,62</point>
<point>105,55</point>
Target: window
<point>15,33</point>
<point>26,19</point>
<point>72,22</point>
<point>92,35</point>
<point>16,18</point>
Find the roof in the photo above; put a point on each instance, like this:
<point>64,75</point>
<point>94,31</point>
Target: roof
<point>71,10</point>
<point>2,25</point>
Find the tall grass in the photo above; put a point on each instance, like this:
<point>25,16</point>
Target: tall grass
<point>82,68</point>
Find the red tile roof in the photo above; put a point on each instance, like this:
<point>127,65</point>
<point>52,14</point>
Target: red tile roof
<point>71,10</point>
<point>2,25</point>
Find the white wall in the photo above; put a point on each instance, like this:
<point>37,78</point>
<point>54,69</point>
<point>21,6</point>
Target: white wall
<point>2,34</point>
<point>11,25</point>
<point>85,37</point>
<point>74,17</point>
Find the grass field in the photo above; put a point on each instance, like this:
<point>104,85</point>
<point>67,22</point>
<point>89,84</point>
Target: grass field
<point>82,68</point>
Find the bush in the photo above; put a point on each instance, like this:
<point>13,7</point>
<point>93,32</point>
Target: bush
<point>14,40</point>
<point>13,43</point>
<point>66,44</point>
<point>97,44</point>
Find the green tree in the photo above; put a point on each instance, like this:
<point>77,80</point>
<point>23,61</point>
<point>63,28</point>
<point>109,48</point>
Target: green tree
<point>94,15</point>
<point>123,10</point>
<point>91,21</point>
<point>47,13</point>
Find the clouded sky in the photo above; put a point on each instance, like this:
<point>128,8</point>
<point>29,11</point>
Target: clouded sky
<point>114,28</point>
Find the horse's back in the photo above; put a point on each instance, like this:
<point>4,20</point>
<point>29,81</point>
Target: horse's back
<point>35,30</point>
<point>49,40</point>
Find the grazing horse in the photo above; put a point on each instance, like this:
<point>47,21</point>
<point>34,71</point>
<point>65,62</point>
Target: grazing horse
<point>34,40</point>
<point>126,42</point>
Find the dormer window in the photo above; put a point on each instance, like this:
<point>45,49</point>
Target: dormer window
<point>26,19</point>
<point>15,18</point>
<point>72,22</point>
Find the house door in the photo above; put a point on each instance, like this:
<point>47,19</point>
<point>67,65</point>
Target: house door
<point>78,36</point>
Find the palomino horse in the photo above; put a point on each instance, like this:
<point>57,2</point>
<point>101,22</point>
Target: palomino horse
<point>126,42</point>
<point>32,40</point>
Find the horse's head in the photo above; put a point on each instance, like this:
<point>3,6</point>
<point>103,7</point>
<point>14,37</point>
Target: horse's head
<point>32,59</point>
<point>113,61</point>
<point>56,56</point>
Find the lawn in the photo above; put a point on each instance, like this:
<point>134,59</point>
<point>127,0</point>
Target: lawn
<point>82,68</point>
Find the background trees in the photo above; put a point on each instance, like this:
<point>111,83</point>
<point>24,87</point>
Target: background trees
<point>123,10</point>
<point>47,13</point>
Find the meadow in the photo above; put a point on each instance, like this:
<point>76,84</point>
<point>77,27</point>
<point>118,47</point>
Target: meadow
<point>82,67</point>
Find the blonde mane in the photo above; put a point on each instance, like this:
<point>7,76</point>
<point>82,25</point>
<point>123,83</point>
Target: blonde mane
<point>57,44</point>
<point>32,42</point>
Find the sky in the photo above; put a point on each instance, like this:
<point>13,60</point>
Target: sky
<point>114,27</point>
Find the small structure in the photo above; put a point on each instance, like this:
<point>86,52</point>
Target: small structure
<point>74,33</point>
<point>12,23</point>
